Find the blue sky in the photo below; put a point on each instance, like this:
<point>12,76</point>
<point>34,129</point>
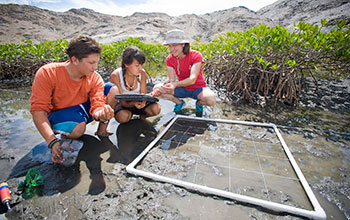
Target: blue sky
<point>128,7</point>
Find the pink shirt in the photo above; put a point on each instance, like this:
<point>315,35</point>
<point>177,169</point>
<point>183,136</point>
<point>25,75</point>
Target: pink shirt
<point>183,67</point>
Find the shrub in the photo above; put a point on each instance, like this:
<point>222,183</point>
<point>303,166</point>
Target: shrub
<point>272,62</point>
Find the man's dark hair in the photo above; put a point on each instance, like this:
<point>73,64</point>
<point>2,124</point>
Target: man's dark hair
<point>82,46</point>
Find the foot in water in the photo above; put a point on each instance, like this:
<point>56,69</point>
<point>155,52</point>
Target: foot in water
<point>103,134</point>
<point>178,107</point>
<point>199,110</point>
<point>102,130</point>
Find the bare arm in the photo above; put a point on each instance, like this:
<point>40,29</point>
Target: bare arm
<point>115,79</point>
<point>170,86</point>
<point>195,69</point>
<point>171,74</point>
<point>42,123</point>
<point>143,86</point>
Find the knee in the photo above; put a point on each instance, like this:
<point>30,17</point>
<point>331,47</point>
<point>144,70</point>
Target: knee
<point>123,116</point>
<point>211,101</point>
<point>78,131</point>
<point>113,91</point>
<point>152,110</point>
<point>111,95</point>
<point>155,109</point>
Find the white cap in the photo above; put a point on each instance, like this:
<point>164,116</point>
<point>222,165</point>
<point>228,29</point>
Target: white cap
<point>175,36</point>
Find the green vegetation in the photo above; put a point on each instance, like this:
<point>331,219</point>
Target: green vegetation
<point>272,62</point>
<point>263,62</point>
<point>155,55</point>
<point>22,60</point>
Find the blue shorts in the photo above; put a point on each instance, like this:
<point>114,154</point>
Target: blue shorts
<point>108,87</point>
<point>64,121</point>
<point>181,92</point>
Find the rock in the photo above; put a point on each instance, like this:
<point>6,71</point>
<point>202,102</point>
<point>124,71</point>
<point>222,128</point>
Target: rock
<point>287,13</point>
<point>23,21</point>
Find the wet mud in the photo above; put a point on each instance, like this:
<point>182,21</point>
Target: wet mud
<point>97,186</point>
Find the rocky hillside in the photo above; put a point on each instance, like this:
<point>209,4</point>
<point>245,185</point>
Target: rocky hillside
<point>287,13</point>
<point>22,21</point>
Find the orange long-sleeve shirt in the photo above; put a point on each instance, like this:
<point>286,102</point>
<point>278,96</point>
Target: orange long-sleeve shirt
<point>53,89</point>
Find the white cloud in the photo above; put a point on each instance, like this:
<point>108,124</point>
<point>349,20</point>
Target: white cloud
<point>46,1</point>
<point>21,2</point>
<point>28,2</point>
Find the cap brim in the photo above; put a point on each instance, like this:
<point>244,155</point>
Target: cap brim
<point>182,42</point>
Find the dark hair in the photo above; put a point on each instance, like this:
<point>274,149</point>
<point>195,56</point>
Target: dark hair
<point>82,46</point>
<point>131,53</point>
<point>186,48</point>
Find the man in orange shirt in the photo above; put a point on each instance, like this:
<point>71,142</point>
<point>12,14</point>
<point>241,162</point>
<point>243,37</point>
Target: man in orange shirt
<point>67,96</point>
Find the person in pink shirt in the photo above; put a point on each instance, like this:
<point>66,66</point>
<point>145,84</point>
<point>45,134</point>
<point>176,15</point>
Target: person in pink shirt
<point>185,75</point>
<point>66,96</point>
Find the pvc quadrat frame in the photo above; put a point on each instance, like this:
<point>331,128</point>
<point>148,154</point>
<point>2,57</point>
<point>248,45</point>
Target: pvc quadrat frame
<point>316,213</point>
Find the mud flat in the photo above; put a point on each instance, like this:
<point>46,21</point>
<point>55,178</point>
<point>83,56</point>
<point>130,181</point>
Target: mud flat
<point>98,186</point>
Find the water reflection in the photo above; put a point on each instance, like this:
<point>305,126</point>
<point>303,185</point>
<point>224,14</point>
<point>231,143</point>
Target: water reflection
<point>133,137</point>
<point>183,130</point>
<point>59,178</point>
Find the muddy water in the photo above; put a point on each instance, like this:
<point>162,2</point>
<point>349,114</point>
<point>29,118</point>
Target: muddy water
<point>98,186</point>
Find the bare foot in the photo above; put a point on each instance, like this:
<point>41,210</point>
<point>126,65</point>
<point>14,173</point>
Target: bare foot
<point>143,117</point>
<point>103,133</point>
<point>102,130</point>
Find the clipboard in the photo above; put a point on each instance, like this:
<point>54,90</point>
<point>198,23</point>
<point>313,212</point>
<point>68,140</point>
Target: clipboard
<point>136,97</point>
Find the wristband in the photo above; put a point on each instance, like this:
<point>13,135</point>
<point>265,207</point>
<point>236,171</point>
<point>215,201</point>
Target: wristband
<point>103,122</point>
<point>54,141</point>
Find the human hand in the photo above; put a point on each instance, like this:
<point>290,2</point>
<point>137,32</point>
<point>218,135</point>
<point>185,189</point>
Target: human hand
<point>168,86</point>
<point>105,114</point>
<point>155,93</point>
<point>139,105</point>
<point>56,151</point>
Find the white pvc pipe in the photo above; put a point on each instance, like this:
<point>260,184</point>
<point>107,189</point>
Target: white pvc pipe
<point>317,207</point>
<point>317,213</point>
